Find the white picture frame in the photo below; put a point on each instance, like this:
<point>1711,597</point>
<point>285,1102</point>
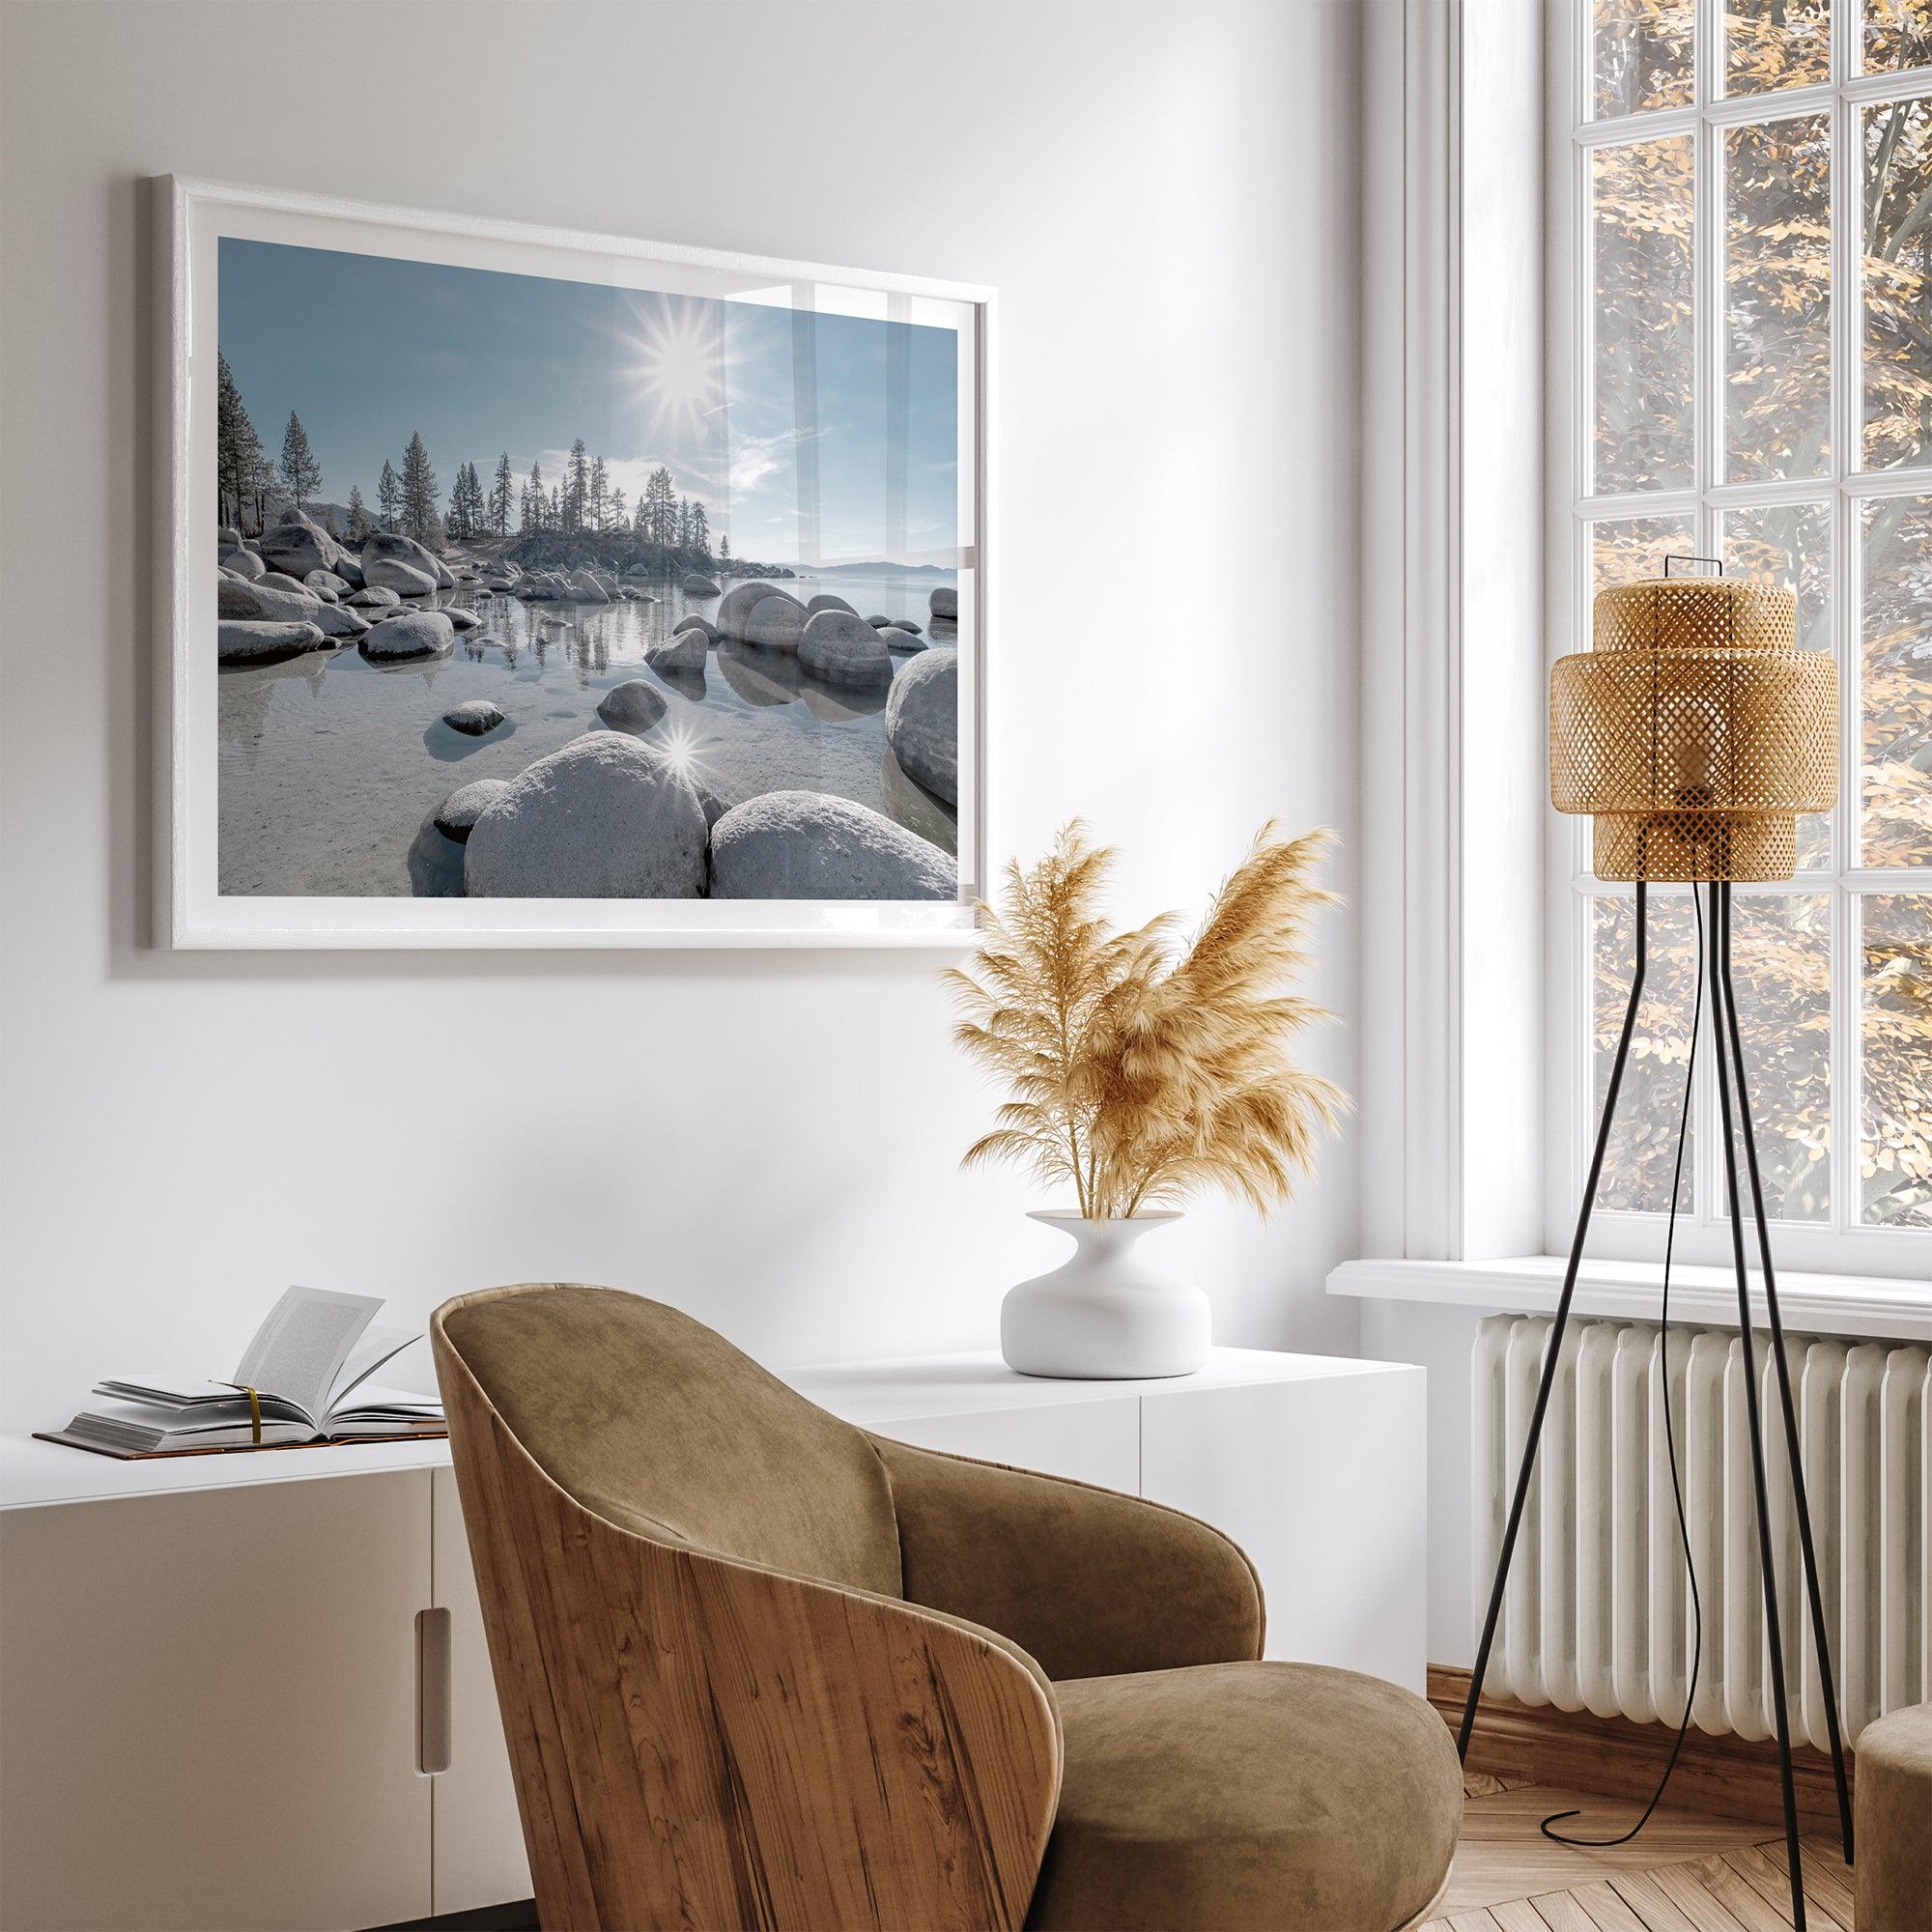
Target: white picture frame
<point>190,216</point>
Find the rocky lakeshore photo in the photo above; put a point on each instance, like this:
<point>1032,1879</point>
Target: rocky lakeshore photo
<point>531,588</point>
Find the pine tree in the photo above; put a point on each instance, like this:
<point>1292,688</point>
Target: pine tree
<point>533,499</point>
<point>238,450</point>
<point>725,549</point>
<point>700,529</point>
<point>390,496</point>
<point>556,512</point>
<point>684,523</point>
<point>500,497</point>
<point>641,524</point>
<point>466,503</point>
<point>358,514</point>
<point>617,508</point>
<point>577,492</point>
<point>663,514</point>
<point>419,491</point>
<point>300,470</point>
<point>598,493</point>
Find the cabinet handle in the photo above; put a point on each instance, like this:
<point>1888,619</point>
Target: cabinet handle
<point>432,1691</point>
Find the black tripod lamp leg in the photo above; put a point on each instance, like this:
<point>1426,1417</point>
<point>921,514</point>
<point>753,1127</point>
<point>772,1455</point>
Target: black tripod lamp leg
<point>1555,1347</point>
<point>1820,1636</point>
<point>1720,912</point>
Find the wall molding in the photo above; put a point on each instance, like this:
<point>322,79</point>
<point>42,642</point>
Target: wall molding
<point>1616,1759</point>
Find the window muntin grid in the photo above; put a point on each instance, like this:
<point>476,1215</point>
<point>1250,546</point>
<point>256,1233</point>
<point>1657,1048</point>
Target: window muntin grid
<point>1753,280</point>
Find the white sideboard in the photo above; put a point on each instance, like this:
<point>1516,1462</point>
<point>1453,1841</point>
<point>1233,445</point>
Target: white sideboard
<point>226,1688</point>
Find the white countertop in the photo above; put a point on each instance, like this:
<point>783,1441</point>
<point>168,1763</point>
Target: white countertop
<point>872,1393</point>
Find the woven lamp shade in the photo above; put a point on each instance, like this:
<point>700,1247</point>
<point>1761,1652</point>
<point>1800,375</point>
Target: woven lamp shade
<point>1696,732</point>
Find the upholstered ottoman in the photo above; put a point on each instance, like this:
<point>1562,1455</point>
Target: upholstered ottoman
<point>1895,1823</point>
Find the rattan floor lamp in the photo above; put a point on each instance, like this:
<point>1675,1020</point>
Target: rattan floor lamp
<point>1694,733</point>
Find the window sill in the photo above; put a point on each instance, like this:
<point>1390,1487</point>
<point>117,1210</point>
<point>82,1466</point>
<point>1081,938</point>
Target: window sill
<point>1810,1304</point>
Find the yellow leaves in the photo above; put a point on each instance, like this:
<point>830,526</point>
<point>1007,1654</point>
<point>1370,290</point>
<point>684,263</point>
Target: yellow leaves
<point>1142,1072</point>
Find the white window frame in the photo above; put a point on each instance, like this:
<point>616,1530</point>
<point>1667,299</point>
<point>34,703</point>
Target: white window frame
<point>1846,1245</point>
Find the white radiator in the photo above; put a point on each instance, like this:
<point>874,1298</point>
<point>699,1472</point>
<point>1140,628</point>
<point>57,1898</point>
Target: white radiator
<point>1597,1615</point>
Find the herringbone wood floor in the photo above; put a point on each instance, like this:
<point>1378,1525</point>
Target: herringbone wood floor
<point>1685,1872</point>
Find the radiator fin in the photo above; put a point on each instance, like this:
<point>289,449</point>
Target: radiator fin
<point>1597,1615</point>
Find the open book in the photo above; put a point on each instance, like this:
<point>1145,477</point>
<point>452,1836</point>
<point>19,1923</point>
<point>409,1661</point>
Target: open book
<point>309,1365</point>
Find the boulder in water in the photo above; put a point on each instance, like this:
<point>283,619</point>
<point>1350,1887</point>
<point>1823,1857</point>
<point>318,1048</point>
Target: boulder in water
<point>695,586</point>
<point>811,845</point>
<point>373,597</point>
<point>709,632</point>
<point>633,706</point>
<point>734,610</point>
<point>682,650</point>
<point>462,617</point>
<point>459,813</point>
<point>298,546</point>
<point>825,601</point>
<point>256,600</point>
<point>776,622</point>
<point>606,817</point>
<point>389,572</point>
<point>902,642</point>
<point>280,580</point>
<point>409,633</point>
<point>243,563</point>
<point>475,718</point>
<point>945,603</point>
<point>842,648</point>
<point>245,643</point>
<point>923,722</point>
<point>327,586</point>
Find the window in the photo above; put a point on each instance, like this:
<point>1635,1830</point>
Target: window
<point>1746,261</point>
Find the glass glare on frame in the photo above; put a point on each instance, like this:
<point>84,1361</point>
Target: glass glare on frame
<point>1896,1046</point>
<point>1643,1149</point>
<point>1781,968</point>
<point>1896,212</point>
<point>1642,55</point>
<point>1895,685</point>
<point>1643,207</point>
<point>1774,44</point>
<point>1790,543</point>
<point>1897,33</point>
<point>1778,299</point>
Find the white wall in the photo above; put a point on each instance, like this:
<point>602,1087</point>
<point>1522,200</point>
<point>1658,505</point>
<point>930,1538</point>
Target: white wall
<point>1165,196</point>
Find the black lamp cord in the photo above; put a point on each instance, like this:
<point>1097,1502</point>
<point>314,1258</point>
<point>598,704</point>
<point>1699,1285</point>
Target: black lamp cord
<point>1670,1438</point>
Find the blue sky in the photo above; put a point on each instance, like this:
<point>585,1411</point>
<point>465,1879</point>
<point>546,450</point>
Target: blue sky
<point>762,415</point>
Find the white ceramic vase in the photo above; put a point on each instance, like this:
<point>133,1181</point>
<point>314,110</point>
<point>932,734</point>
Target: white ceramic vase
<point>1105,1315</point>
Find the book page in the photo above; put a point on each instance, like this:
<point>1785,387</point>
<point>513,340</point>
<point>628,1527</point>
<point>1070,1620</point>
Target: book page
<point>299,1349</point>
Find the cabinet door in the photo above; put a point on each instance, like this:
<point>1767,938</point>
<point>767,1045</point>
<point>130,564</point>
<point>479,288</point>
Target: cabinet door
<point>211,1706</point>
<point>1091,1441</point>
<point>1322,1482</point>
<point>479,1839</point>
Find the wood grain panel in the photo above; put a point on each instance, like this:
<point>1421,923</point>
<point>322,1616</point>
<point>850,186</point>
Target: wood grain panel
<point>701,1741</point>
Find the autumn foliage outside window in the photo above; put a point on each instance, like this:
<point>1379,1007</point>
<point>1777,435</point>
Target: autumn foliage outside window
<point>1755,358</point>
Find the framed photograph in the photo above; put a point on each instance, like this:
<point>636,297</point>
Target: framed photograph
<point>536,588</point>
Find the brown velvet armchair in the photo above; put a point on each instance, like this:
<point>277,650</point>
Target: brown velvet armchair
<point>759,1668</point>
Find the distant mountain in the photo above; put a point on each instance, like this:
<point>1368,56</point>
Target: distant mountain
<point>875,569</point>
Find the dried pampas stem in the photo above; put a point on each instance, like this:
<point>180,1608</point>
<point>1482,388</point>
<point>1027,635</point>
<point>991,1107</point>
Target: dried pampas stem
<point>1138,1075</point>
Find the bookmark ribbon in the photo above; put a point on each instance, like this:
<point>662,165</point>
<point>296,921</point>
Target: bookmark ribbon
<point>254,1408</point>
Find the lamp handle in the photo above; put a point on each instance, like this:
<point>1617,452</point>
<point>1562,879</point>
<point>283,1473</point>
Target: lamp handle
<point>1716,560</point>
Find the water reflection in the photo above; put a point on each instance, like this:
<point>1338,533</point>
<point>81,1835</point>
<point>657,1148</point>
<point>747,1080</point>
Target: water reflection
<point>330,767</point>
